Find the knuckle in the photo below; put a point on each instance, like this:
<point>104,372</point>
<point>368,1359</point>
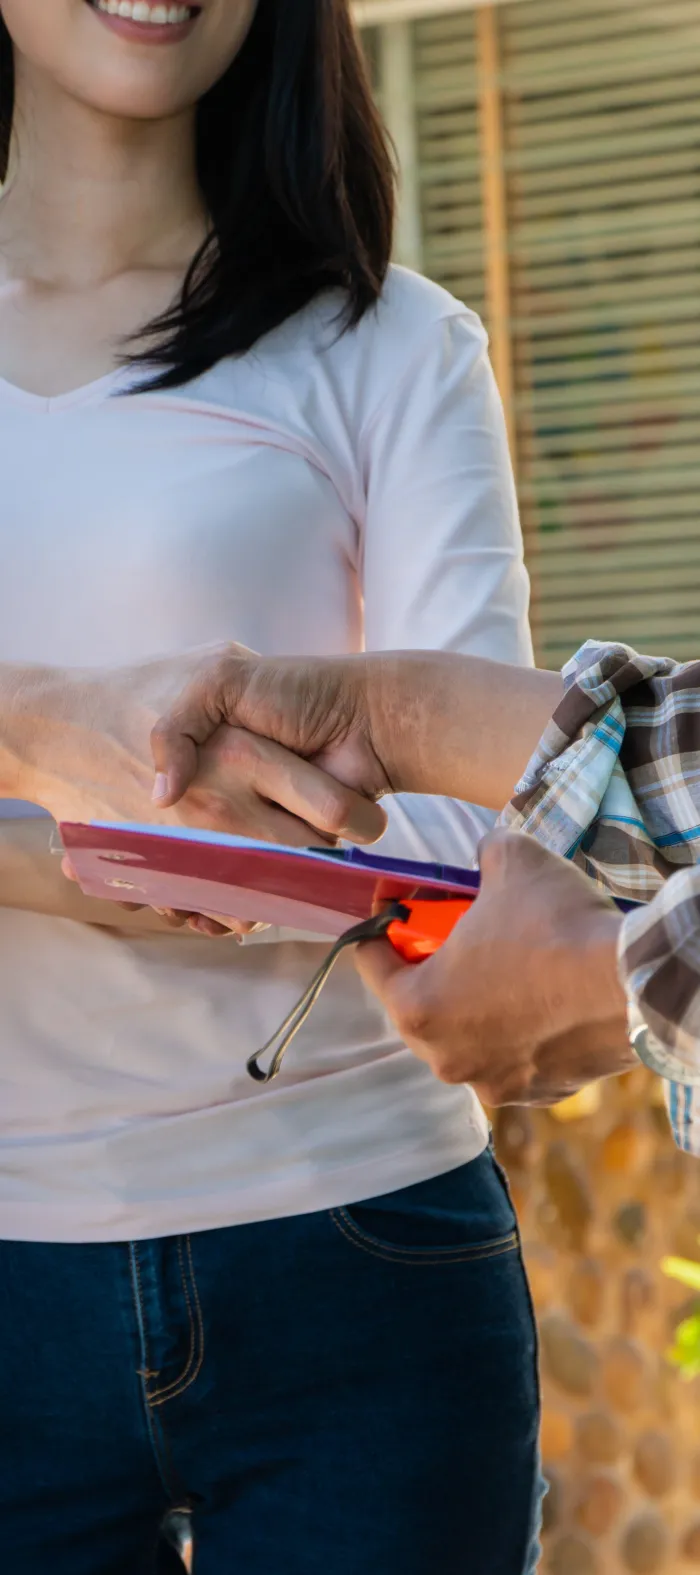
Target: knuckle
<point>241,751</point>
<point>416,1021</point>
<point>492,853</point>
<point>222,664</point>
<point>160,732</point>
<point>334,812</point>
<point>447,1069</point>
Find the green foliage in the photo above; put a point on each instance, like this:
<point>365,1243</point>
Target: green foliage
<point>685,1352</point>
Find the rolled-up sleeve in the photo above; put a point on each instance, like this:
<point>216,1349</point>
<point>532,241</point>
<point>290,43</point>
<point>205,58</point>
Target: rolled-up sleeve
<point>615,786</point>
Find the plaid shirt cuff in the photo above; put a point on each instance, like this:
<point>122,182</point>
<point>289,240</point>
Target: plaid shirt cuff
<point>631,827</point>
<point>659,965</point>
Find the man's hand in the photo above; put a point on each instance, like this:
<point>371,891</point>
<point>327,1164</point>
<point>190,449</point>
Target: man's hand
<point>83,741</point>
<point>319,709</point>
<point>381,722</point>
<point>523,1001</point>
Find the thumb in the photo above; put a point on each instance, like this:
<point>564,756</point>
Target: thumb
<point>381,968</point>
<point>174,745</point>
<point>504,854</point>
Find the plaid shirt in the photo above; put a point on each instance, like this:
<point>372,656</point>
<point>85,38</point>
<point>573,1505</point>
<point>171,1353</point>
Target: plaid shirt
<point>615,786</point>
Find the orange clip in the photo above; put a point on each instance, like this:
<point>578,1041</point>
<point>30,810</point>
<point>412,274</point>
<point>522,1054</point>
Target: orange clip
<point>428,925</point>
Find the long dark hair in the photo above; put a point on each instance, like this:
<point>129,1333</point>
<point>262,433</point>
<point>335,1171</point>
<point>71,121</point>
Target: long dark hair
<point>296,172</point>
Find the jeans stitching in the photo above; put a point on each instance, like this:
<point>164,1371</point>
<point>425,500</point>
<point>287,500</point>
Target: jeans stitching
<point>416,1257</point>
<point>157,1395</point>
<point>180,1384</point>
<point>147,1371</point>
<point>155,1432</point>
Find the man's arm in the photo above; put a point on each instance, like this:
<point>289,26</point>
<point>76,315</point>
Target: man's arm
<point>398,722</point>
<point>613,781</point>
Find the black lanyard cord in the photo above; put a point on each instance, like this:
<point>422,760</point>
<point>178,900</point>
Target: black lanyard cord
<point>369,930</point>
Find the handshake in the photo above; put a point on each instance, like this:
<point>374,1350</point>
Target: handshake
<point>523,1001</point>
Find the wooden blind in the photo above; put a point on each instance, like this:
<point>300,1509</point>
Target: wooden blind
<point>601,104</point>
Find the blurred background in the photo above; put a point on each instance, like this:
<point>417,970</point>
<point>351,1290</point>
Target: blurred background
<point>550,159</point>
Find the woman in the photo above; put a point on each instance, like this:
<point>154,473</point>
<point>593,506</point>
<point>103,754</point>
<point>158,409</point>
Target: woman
<point>210,1297</point>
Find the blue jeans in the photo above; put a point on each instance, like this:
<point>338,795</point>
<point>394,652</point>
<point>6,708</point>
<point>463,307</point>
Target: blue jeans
<point>344,1393</point>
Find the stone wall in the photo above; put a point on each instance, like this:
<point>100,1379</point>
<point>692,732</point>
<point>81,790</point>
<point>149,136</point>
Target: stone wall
<point>602,1196</point>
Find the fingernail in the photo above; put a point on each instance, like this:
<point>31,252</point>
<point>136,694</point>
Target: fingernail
<point>368,823</point>
<point>160,788</point>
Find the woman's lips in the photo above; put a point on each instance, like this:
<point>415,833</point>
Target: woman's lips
<point>131,21</point>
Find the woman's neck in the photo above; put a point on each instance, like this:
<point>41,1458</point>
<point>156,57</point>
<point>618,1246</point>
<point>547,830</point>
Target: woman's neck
<point>89,196</point>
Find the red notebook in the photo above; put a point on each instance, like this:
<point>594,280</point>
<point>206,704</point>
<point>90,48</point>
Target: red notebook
<point>319,891</point>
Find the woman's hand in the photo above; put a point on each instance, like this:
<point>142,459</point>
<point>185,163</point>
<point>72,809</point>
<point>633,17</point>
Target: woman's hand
<point>78,744</point>
<point>83,745</point>
<point>31,882</point>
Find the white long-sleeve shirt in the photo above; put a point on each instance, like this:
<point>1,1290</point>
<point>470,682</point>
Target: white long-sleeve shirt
<point>321,493</point>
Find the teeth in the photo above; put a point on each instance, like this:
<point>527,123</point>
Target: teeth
<point>157,15</point>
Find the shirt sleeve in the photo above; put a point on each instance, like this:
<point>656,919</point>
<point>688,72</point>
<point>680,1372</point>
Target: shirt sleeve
<point>615,781</point>
<point>615,786</point>
<point>659,966</point>
<point>442,559</point>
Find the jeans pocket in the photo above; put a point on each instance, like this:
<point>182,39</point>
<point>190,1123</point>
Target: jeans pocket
<point>462,1216</point>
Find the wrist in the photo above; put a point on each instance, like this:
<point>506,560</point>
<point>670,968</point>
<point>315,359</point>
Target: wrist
<point>31,700</point>
<point>63,739</point>
<point>595,987</point>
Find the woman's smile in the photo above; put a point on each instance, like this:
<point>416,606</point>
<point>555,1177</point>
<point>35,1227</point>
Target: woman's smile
<point>145,22</point>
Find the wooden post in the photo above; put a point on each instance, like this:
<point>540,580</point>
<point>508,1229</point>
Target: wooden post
<point>496,263</point>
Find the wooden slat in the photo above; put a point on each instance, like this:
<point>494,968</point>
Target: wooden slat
<point>613,99</point>
<point>547,400</point>
<point>555,14</point>
<point>591,464</point>
<point>593,441</point>
<point>547,515</point>
<point>673,270</point>
<point>629,484</point>
<point>569,151</point>
<point>612,23</point>
<point>610,196</point>
<point>593,537</point>
<point>642,56</point>
<point>548,315</point>
<point>592,567</point>
<point>672,109</point>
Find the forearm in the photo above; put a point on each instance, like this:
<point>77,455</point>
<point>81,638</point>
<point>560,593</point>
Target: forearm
<point>457,726</point>
<point>31,881</point>
<point>31,728</point>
